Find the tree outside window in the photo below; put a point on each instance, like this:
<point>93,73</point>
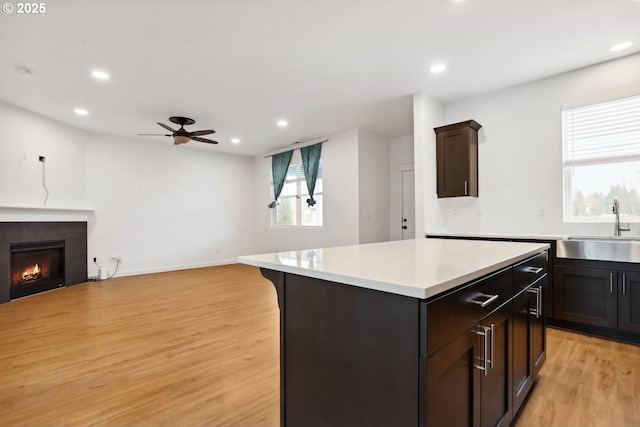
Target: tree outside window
<point>601,160</point>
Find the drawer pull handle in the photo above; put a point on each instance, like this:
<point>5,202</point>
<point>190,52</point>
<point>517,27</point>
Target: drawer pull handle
<point>534,270</point>
<point>489,300</point>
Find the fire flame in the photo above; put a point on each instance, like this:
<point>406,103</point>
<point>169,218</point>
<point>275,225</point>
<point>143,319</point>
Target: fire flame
<point>31,274</point>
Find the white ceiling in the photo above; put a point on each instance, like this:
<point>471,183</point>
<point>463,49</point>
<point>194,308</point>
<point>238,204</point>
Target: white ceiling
<point>326,66</point>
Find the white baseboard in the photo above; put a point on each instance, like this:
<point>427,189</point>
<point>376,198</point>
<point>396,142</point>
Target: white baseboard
<point>124,273</point>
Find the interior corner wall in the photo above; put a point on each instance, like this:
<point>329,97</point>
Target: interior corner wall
<point>26,136</point>
<point>163,207</point>
<point>373,187</point>
<point>428,113</point>
<point>341,203</point>
<point>520,152</point>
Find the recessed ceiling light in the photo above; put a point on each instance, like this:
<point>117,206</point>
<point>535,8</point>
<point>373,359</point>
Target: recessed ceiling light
<point>100,75</point>
<point>235,140</point>
<point>282,123</point>
<point>620,46</point>
<point>437,68</point>
<point>81,111</point>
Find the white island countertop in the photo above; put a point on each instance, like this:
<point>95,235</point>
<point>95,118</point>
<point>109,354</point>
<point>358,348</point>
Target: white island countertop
<point>418,268</point>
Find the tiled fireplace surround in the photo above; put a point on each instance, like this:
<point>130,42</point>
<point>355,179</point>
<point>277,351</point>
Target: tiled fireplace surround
<point>74,235</point>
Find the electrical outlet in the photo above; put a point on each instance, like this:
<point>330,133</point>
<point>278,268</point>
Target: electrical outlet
<point>117,258</point>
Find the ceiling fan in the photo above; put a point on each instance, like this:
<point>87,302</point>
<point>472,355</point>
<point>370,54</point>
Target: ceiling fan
<point>182,136</point>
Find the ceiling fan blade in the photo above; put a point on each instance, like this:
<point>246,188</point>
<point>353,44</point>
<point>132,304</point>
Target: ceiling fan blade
<point>154,134</point>
<point>208,141</point>
<point>202,132</point>
<point>167,127</point>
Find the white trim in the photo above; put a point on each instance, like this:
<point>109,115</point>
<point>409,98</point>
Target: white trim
<point>42,214</point>
<point>173,268</point>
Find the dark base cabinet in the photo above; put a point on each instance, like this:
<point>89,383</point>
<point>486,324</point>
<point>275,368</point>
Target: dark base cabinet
<point>598,297</point>
<point>469,380</point>
<point>586,295</point>
<point>453,385</point>
<point>352,356</point>
<point>629,301</point>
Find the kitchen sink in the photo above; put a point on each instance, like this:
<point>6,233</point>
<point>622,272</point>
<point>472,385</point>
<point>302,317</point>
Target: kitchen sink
<point>600,248</point>
<point>605,238</point>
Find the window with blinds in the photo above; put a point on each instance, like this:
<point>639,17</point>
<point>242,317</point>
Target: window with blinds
<point>601,160</point>
<point>292,209</point>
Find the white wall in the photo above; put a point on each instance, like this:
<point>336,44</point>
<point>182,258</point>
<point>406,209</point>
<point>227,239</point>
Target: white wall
<point>428,113</point>
<point>158,206</point>
<point>400,159</point>
<point>164,207</point>
<point>374,177</point>
<point>25,137</point>
<point>520,153</point>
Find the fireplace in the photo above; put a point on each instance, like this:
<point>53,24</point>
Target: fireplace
<point>36,267</point>
<point>65,242</point>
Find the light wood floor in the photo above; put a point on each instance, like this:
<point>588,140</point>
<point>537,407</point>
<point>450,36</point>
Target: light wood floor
<point>189,348</point>
<point>585,381</point>
<point>200,348</point>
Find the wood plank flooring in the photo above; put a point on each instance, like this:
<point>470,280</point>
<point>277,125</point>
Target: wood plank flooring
<point>200,348</point>
<point>585,381</point>
<point>188,348</point>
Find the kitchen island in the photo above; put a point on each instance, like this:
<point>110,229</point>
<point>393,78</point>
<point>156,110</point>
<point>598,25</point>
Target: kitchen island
<point>408,333</point>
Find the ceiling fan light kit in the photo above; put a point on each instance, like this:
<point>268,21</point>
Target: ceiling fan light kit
<point>182,136</point>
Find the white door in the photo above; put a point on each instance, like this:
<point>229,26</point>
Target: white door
<point>408,205</point>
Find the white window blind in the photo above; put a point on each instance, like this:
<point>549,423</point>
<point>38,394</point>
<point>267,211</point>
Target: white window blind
<point>602,133</point>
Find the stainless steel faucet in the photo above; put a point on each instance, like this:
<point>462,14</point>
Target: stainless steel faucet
<point>616,210</point>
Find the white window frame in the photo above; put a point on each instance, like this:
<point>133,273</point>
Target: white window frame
<point>602,134</point>
<point>301,194</point>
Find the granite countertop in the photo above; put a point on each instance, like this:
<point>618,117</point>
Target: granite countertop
<point>419,268</point>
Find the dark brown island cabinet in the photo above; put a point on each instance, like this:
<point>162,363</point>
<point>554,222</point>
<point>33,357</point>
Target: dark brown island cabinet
<point>457,159</point>
<point>353,356</point>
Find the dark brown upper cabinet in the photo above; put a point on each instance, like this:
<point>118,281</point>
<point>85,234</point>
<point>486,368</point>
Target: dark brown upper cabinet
<point>457,159</point>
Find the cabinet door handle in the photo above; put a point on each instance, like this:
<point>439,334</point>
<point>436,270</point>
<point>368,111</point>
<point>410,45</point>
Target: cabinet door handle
<point>536,311</point>
<point>493,332</point>
<point>483,332</point>
<point>489,300</point>
<point>624,284</point>
<point>611,283</point>
<point>539,302</point>
<point>534,270</point>
<point>465,188</point>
